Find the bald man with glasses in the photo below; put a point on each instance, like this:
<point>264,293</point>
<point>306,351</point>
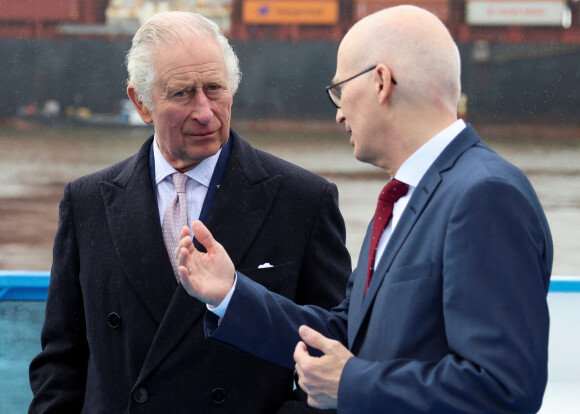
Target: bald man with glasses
<point>446,310</point>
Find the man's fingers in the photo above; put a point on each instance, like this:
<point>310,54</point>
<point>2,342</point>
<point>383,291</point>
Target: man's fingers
<point>300,351</point>
<point>315,339</point>
<point>186,273</point>
<point>185,241</point>
<point>184,232</point>
<point>301,346</point>
<point>182,256</point>
<point>183,272</point>
<point>203,235</point>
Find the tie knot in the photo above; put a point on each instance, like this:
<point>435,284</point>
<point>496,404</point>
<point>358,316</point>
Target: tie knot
<point>179,181</point>
<point>394,190</point>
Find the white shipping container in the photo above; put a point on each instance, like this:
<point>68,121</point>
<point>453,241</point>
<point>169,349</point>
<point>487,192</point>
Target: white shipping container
<point>519,13</point>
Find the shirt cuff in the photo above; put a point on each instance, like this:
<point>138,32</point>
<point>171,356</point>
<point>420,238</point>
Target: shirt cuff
<point>220,310</point>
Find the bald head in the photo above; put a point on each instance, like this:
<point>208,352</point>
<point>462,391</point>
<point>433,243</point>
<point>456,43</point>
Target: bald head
<point>418,49</point>
<point>409,96</point>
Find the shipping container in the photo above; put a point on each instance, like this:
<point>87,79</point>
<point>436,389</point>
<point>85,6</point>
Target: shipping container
<point>41,18</point>
<point>438,7</point>
<point>291,19</point>
<point>470,21</point>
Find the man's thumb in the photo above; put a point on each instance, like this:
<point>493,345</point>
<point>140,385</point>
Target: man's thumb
<point>203,235</point>
<point>312,338</point>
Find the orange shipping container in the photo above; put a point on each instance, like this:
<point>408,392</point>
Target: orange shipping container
<point>306,12</point>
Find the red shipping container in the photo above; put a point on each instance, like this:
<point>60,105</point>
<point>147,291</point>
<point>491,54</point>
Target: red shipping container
<point>440,8</point>
<point>40,10</point>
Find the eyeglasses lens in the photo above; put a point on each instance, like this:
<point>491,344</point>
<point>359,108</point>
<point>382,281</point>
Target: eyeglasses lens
<point>335,95</point>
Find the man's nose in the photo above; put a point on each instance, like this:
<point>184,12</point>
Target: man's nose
<point>202,111</point>
<point>339,116</point>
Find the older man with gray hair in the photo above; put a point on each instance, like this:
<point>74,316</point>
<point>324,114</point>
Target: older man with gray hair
<point>121,334</point>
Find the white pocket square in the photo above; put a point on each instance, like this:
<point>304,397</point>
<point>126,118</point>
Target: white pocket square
<point>265,266</point>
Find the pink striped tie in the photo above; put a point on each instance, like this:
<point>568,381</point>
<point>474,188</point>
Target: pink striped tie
<point>175,218</point>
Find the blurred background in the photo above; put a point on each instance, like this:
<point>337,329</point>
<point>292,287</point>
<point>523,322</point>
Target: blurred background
<point>64,113</point>
<point>521,59</point>
<point>64,110</point>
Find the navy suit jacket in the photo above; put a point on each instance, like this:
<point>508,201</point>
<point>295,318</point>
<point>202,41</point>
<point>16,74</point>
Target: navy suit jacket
<point>121,336</point>
<point>455,319</point>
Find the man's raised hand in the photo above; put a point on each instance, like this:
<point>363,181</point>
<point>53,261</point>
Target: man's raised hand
<point>209,276</point>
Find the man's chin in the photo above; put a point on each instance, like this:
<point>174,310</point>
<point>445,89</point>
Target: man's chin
<point>362,157</point>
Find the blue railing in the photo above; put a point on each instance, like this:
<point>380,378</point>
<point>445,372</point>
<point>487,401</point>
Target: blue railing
<point>565,284</point>
<point>23,285</point>
<point>22,296</point>
<point>20,285</point>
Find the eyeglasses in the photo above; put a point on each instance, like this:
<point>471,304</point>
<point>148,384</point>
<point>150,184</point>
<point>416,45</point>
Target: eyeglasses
<point>335,93</point>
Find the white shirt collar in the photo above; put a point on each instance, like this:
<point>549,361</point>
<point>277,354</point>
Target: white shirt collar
<point>415,167</point>
<point>201,173</point>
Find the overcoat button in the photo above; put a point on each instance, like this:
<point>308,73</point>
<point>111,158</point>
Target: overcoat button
<point>140,395</point>
<point>113,320</point>
<point>218,395</point>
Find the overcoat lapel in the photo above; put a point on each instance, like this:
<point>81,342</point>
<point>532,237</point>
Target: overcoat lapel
<point>419,200</point>
<point>242,202</point>
<point>134,225</point>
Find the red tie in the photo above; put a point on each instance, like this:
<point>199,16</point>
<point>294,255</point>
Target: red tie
<point>388,197</point>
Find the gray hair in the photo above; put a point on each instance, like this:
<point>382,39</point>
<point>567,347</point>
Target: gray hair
<point>167,29</point>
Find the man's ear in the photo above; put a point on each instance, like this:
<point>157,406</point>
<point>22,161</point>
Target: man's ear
<point>383,84</point>
<point>144,113</point>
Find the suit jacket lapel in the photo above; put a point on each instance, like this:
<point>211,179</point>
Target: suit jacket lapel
<point>134,225</point>
<point>419,200</point>
<point>357,295</point>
